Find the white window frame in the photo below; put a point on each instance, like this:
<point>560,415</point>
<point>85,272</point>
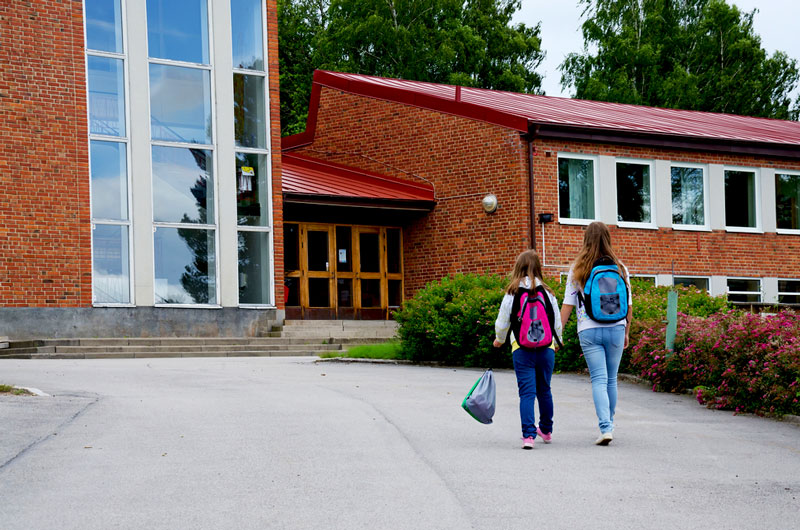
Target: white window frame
<point>760,281</point>
<point>692,277</point>
<point>117,139</point>
<point>757,186</point>
<point>787,293</point>
<point>786,231</point>
<point>635,224</point>
<point>596,169</point>
<point>266,151</point>
<point>210,147</point>
<point>706,202</point>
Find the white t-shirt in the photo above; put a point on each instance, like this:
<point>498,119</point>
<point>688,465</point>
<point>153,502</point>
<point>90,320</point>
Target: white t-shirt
<point>571,298</point>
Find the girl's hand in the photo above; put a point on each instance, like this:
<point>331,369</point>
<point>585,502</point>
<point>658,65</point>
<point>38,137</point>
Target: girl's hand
<point>627,339</point>
<point>497,343</point>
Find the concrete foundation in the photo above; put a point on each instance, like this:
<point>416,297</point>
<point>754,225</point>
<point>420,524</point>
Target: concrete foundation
<point>90,322</point>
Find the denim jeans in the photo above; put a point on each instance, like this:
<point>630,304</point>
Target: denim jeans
<point>602,349</point>
<point>534,369</point>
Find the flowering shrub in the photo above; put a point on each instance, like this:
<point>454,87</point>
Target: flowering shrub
<point>734,360</point>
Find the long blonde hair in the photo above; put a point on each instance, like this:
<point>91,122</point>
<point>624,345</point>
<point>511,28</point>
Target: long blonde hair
<point>596,244</point>
<point>527,264</point>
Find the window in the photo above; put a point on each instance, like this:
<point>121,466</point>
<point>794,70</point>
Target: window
<point>688,196</point>
<point>744,290</point>
<point>254,194</point>
<point>647,278</point>
<point>789,291</point>
<point>741,199</point>
<point>634,193</point>
<point>108,153</point>
<point>787,200</point>
<point>691,281</point>
<point>576,188</point>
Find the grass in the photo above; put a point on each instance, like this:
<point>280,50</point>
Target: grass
<point>382,350</point>
<point>8,389</point>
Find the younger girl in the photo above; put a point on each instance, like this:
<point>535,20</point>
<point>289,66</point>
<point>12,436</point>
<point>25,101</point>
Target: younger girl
<point>534,368</point>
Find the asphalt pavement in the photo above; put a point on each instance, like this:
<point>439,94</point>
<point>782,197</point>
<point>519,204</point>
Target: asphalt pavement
<point>287,443</point>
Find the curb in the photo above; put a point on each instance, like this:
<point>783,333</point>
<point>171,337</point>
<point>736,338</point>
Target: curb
<point>347,360</point>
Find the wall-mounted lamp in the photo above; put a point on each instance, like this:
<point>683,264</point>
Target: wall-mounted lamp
<point>545,218</point>
<point>489,203</point>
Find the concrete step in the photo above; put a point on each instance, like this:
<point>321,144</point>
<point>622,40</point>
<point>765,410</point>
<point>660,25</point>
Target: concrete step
<point>165,341</point>
<point>3,342</point>
<point>151,355</point>
<point>201,348</point>
<point>342,324</point>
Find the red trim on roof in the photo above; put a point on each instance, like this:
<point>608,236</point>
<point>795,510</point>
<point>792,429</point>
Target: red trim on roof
<point>306,176</point>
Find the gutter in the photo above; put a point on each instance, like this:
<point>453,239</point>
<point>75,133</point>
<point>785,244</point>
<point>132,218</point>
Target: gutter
<point>530,137</point>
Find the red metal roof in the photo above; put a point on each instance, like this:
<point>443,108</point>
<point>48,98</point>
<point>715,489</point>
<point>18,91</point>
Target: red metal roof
<point>521,111</point>
<point>306,176</point>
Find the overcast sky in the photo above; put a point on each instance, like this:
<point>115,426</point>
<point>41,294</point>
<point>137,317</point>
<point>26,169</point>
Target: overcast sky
<point>776,23</point>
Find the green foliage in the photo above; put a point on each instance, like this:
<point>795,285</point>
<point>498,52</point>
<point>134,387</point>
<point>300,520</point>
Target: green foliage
<point>734,360</point>
<point>686,54</point>
<point>452,321</point>
<point>383,350</point>
<point>470,43</point>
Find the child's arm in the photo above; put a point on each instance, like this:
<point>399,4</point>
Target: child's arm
<point>503,322</point>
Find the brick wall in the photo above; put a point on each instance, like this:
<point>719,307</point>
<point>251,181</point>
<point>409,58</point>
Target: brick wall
<point>275,140</point>
<point>653,251</point>
<point>463,159</point>
<point>45,230</point>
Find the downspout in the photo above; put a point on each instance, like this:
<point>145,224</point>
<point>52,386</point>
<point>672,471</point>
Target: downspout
<point>530,137</point>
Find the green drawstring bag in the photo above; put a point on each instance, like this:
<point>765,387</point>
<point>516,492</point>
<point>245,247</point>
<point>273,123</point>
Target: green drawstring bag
<point>480,400</point>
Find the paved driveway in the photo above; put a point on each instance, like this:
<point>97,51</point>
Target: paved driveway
<point>267,443</point>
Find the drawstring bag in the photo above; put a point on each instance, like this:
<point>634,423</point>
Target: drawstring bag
<point>480,400</point>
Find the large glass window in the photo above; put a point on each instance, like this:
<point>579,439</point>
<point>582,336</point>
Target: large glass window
<point>177,30</point>
<point>254,267</point>
<point>180,104</point>
<point>252,189</point>
<point>109,172</point>
<point>110,272</point>
<point>744,290</point>
<point>691,281</point>
<point>741,209</point>
<point>787,200</point>
<point>106,96</point>
<point>185,266</point>
<point>634,193</point>
<point>249,111</point>
<point>576,188</point>
<point>688,196</point>
<point>248,38</point>
<point>104,25</point>
<point>183,185</point>
<point>789,291</point>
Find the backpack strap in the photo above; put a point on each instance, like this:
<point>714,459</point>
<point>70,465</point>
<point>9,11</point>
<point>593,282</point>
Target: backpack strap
<point>551,314</point>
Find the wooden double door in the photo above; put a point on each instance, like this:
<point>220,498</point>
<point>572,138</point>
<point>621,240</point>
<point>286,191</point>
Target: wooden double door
<point>335,271</point>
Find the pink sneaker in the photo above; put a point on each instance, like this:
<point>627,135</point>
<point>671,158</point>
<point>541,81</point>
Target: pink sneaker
<point>527,443</point>
<point>546,438</point>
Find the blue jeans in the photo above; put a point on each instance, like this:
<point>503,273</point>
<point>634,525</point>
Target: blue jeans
<point>602,349</point>
<point>534,369</point>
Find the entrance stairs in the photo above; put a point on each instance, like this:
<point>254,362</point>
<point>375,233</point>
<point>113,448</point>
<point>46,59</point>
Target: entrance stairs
<point>295,338</point>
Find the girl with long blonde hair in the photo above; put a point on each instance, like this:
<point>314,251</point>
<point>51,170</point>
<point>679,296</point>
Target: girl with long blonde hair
<point>533,367</point>
<point>602,343</point>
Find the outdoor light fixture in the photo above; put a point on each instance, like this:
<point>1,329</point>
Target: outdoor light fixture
<point>545,218</point>
<point>489,203</point>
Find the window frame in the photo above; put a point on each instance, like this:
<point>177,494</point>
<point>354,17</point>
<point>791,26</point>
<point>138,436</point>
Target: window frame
<point>787,293</point>
<point>692,277</point>
<point>638,224</point>
<point>126,140</point>
<point>706,227</point>
<point>785,231</point>
<point>757,186</point>
<point>595,177</point>
<point>728,292</point>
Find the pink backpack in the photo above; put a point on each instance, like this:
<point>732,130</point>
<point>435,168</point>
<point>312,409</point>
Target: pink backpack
<point>534,323</point>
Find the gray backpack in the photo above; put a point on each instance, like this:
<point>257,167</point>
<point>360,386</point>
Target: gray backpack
<point>480,400</point>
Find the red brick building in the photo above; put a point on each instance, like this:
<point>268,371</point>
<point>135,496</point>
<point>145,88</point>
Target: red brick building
<point>140,186</point>
<point>693,198</point>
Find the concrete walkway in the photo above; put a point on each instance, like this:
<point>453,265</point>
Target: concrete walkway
<point>263,443</point>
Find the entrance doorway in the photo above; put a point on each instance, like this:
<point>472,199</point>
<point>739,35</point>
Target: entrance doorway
<point>342,271</point>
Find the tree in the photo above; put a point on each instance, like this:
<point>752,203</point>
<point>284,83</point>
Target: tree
<point>687,54</point>
<point>470,43</point>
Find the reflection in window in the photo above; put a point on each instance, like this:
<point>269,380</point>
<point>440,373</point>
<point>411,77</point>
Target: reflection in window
<point>180,104</point>
<point>740,199</point>
<point>688,202</point>
<point>787,201</point>
<point>178,30</point>
<point>184,266</point>
<point>106,96</point>
<point>789,291</point>
<point>248,36</point>
<point>254,268</point>
<point>699,283</point>
<point>252,189</point>
<point>744,290</point>
<point>109,172</point>
<point>103,25</point>
<point>183,185</point>
<point>249,111</point>
<point>633,192</point>
<point>110,273</point>
<point>575,188</point>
